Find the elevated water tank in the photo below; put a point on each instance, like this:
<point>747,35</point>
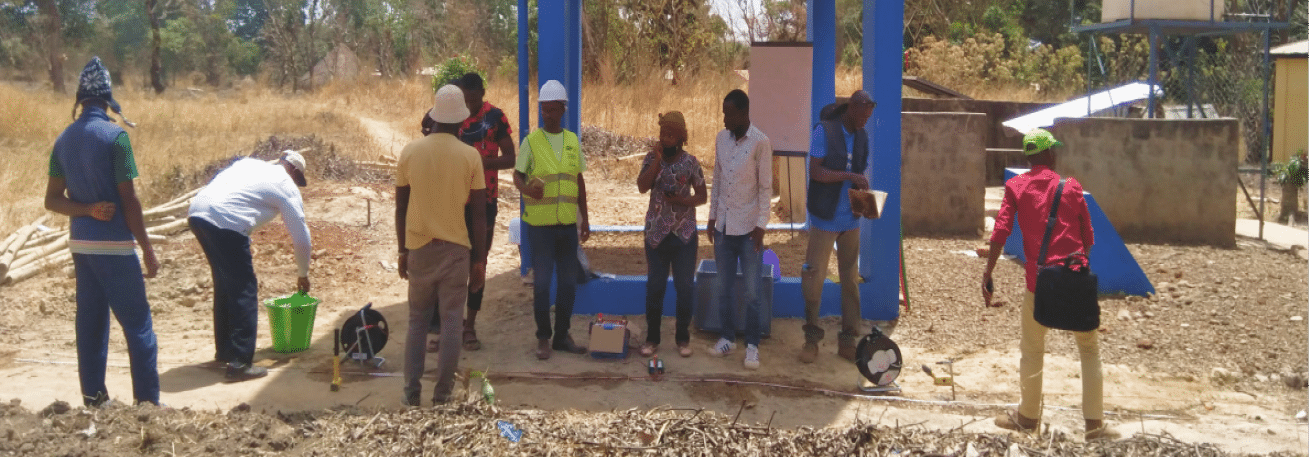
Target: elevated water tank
<point>1180,10</point>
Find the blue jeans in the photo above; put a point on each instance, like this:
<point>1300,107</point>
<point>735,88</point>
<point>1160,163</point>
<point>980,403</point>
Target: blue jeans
<point>730,250</point>
<point>236,301</point>
<point>554,247</point>
<point>681,257</point>
<point>113,283</point>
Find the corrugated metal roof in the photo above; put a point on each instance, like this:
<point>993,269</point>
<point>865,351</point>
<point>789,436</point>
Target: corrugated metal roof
<point>1296,48</point>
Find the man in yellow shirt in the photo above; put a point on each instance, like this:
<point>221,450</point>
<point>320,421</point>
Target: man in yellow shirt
<point>435,177</point>
<point>549,173</point>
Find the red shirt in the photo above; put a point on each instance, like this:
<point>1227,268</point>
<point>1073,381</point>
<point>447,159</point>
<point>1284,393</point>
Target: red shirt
<point>483,130</point>
<point>1030,194</point>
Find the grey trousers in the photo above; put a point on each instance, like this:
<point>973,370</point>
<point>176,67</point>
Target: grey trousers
<point>439,273</point>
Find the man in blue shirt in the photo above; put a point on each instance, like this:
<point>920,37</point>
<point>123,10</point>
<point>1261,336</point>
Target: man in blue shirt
<point>839,154</point>
<point>91,173</point>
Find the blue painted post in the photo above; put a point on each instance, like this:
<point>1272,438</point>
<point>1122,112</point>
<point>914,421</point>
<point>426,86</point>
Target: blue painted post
<point>552,49</point>
<point>880,239</point>
<point>523,69</point>
<point>560,50</point>
<point>574,83</point>
<point>559,57</point>
<point>524,81</point>
<point>821,27</point>
<point>1153,66</point>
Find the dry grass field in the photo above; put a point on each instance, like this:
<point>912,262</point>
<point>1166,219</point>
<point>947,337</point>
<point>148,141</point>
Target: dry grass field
<point>182,130</point>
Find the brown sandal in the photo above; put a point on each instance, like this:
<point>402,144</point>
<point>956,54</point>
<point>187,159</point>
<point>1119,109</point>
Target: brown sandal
<point>1013,420</point>
<point>471,342</point>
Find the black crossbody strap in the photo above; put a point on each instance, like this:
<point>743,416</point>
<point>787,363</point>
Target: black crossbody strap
<point>1051,220</point>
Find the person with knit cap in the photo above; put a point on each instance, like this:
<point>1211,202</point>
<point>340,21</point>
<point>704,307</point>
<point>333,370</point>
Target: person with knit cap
<point>677,187</point>
<point>549,174</point>
<point>91,175</point>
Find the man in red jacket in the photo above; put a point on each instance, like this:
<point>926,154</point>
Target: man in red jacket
<point>1029,198</point>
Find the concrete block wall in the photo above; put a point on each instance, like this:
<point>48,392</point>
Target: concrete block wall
<point>942,173</point>
<point>997,111</point>
<point>1159,181</point>
<point>1001,139</point>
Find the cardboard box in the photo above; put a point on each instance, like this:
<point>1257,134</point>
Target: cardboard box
<point>608,338</point>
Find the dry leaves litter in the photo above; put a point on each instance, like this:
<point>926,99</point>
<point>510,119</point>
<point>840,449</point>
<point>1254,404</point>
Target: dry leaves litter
<point>472,429</point>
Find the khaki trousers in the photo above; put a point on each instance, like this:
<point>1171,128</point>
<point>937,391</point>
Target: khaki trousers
<point>818,250</point>
<point>1033,343</point>
<point>439,276</point>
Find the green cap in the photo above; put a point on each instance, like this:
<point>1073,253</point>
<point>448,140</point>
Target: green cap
<point>1039,140</point>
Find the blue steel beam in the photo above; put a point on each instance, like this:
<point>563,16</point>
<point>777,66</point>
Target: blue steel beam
<point>559,50</point>
<point>574,115</point>
<point>821,27</point>
<point>880,239</point>
<point>524,81</point>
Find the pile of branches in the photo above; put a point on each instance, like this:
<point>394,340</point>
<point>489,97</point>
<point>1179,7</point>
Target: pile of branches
<point>35,248</point>
<point>598,142</point>
<point>476,428</point>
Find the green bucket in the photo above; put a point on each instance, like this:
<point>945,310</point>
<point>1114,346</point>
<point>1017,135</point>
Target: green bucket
<point>292,320</point>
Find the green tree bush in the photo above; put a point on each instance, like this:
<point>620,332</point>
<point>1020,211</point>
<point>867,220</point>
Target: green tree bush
<point>454,68</point>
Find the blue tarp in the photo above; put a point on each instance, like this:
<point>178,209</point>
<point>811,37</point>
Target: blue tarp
<point>1116,269</point>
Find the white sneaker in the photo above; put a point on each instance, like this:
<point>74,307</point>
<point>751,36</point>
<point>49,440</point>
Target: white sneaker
<point>722,348</point>
<point>752,361</point>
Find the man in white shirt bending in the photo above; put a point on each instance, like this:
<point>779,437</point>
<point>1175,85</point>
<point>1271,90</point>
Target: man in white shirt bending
<point>247,194</point>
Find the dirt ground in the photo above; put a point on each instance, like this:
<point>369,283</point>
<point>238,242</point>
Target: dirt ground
<point>1218,356</point>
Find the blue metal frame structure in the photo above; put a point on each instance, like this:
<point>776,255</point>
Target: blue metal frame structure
<point>1158,30</point>
<point>559,57</point>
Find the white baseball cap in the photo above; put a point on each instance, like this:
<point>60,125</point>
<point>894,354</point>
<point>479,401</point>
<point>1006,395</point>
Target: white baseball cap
<point>552,91</point>
<point>448,106</point>
<point>297,161</point>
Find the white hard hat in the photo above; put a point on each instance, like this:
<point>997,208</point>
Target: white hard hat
<point>448,106</point>
<point>552,91</point>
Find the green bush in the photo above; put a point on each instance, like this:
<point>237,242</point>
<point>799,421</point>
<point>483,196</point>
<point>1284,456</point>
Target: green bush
<point>1292,172</point>
<point>454,68</point>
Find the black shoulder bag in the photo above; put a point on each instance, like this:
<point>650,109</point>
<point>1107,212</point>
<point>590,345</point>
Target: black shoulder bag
<point>1064,298</point>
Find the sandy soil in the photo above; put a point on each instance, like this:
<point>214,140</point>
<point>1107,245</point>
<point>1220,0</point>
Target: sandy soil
<point>1224,336</point>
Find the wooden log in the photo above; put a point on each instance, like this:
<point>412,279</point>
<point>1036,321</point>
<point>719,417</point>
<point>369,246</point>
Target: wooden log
<point>166,210</point>
<point>377,166</point>
<point>8,241</point>
<point>37,254</point>
<point>7,257</point>
<point>169,228</point>
<point>38,239</point>
<point>30,270</point>
<point>184,197</point>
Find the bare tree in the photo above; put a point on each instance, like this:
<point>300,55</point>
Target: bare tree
<point>54,39</point>
<point>156,67</point>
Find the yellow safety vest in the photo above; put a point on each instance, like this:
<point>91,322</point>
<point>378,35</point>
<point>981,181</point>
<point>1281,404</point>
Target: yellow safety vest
<point>559,203</point>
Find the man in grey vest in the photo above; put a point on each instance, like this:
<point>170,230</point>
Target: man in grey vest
<point>839,154</point>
